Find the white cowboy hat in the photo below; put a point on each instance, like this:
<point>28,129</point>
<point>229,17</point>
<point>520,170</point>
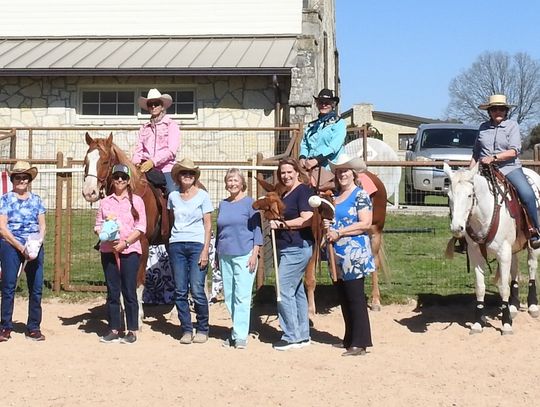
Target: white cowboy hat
<point>496,100</point>
<point>154,94</point>
<point>23,167</point>
<point>185,164</point>
<point>345,161</point>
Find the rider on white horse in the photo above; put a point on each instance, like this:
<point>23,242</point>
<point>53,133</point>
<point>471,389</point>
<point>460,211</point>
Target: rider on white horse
<point>499,142</point>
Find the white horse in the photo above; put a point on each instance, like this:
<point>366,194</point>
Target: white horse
<point>472,207</point>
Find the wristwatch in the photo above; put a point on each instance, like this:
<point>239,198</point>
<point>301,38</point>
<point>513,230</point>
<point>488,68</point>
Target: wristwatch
<point>127,243</point>
<point>495,157</point>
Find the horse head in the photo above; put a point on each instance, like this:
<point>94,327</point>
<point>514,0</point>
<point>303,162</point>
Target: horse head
<point>271,205</point>
<point>461,197</point>
<point>98,162</point>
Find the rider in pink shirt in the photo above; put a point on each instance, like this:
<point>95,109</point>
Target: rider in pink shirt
<point>159,139</point>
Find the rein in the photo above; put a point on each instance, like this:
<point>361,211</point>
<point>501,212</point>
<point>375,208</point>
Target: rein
<point>489,173</point>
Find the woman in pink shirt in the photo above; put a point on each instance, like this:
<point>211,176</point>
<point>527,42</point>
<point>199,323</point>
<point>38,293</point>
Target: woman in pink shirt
<point>159,139</point>
<point>120,256</point>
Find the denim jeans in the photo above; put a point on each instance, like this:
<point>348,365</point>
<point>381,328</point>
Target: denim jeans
<point>122,281</point>
<point>188,276</point>
<point>526,194</point>
<point>237,288</point>
<point>293,307</point>
<point>11,259</point>
<point>171,185</point>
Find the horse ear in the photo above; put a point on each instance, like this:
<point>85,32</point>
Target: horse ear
<point>264,184</point>
<point>474,170</point>
<point>447,170</point>
<point>109,140</point>
<point>88,138</point>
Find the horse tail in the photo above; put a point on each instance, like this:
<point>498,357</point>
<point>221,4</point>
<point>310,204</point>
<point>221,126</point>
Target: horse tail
<point>383,261</point>
<point>450,248</point>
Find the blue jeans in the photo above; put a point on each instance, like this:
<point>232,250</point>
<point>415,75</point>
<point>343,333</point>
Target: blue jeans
<point>237,288</point>
<point>171,185</point>
<point>122,281</point>
<point>188,276</point>
<point>11,259</point>
<point>526,194</point>
<point>293,307</point>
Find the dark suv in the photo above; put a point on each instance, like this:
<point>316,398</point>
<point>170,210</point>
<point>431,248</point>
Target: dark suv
<point>436,142</point>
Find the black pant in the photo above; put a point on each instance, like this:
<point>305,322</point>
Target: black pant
<point>355,314</point>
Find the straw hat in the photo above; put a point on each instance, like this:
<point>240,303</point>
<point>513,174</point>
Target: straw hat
<point>344,161</point>
<point>326,94</point>
<point>186,164</point>
<point>495,100</point>
<point>154,94</point>
<point>23,167</point>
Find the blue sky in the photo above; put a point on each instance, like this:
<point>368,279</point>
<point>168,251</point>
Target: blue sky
<point>401,55</point>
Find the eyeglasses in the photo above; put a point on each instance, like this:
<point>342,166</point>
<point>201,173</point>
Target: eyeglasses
<point>153,104</point>
<point>187,173</point>
<point>497,109</point>
<point>21,178</point>
<point>120,175</point>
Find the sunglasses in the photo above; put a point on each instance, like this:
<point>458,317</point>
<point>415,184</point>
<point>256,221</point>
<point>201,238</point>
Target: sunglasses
<point>120,175</point>
<point>21,178</point>
<point>324,102</point>
<point>187,173</point>
<point>497,109</point>
<point>153,104</point>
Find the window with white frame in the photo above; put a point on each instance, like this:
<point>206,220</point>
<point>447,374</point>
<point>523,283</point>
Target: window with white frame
<point>100,102</point>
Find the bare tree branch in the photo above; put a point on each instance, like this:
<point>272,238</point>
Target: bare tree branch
<point>517,77</point>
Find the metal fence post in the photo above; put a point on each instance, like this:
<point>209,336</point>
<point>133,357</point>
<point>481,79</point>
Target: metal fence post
<point>58,272</point>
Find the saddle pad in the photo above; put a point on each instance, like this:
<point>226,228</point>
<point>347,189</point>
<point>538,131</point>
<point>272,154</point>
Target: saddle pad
<point>367,183</point>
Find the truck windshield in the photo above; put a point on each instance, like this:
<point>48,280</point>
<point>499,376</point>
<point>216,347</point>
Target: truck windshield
<point>449,138</point>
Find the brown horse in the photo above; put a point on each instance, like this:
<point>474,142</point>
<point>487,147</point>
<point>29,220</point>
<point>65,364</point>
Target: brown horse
<point>101,156</point>
<point>272,206</point>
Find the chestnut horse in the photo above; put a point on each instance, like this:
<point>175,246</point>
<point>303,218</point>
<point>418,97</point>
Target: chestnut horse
<point>101,156</point>
<point>272,206</point>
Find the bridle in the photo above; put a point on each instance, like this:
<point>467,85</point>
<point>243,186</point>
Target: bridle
<point>103,173</point>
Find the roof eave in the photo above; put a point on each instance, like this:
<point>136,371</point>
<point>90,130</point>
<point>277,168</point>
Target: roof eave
<point>148,72</point>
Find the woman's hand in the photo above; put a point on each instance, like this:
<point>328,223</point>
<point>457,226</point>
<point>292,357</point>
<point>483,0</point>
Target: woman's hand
<point>203,259</point>
<point>119,245</point>
<point>146,166</point>
<point>327,223</point>
<point>252,263</point>
<point>332,235</point>
<point>277,224</point>
<point>487,160</point>
<point>310,163</point>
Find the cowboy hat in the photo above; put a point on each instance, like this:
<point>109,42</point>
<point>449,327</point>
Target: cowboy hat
<point>186,164</point>
<point>23,167</point>
<point>326,94</point>
<point>344,161</point>
<point>154,94</point>
<point>495,100</point>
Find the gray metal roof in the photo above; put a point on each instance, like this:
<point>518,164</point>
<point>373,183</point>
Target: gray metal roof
<point>147,56</point>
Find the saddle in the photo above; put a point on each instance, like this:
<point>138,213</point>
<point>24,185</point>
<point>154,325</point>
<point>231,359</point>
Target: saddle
<point>504,191</point>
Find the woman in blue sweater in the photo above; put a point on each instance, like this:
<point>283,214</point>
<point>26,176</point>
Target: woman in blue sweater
<point>238,241</point>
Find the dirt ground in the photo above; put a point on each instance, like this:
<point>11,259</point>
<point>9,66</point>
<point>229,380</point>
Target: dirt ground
<point>423,356</point>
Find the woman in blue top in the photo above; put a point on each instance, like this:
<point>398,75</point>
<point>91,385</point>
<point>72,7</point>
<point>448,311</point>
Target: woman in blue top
<point>22,214</point>
<point>354,259</point>
<point>294,242</point>
<point>190,210</point>
<point>238,241</point>
<point>323,140</point>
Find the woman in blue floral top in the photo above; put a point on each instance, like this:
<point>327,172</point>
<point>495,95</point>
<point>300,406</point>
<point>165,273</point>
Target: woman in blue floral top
<point>354,259</point>
<point>22,217</point>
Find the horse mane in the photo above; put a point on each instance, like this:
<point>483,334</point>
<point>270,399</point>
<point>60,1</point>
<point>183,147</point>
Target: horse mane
<point>124,159</point>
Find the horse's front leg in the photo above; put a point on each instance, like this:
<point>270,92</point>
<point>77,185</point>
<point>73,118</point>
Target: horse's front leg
<point>514,288</point>
<point>532,299</point>
<point>310,282</point>
<point>505,263</point>
<point>479,264</point>
<point>376,239</point>
<point>141,276</point>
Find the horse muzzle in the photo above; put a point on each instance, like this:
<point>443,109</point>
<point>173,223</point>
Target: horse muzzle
<point>457,230</point>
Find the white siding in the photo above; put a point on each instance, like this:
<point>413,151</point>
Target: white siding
<point>143,17</point>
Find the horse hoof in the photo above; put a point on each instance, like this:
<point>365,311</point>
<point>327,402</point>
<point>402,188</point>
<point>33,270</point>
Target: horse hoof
<point>534,311</point>
<point>376,307</point>
<point>476,328</point>
<point>513,311</point>
<point>507,329</point>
